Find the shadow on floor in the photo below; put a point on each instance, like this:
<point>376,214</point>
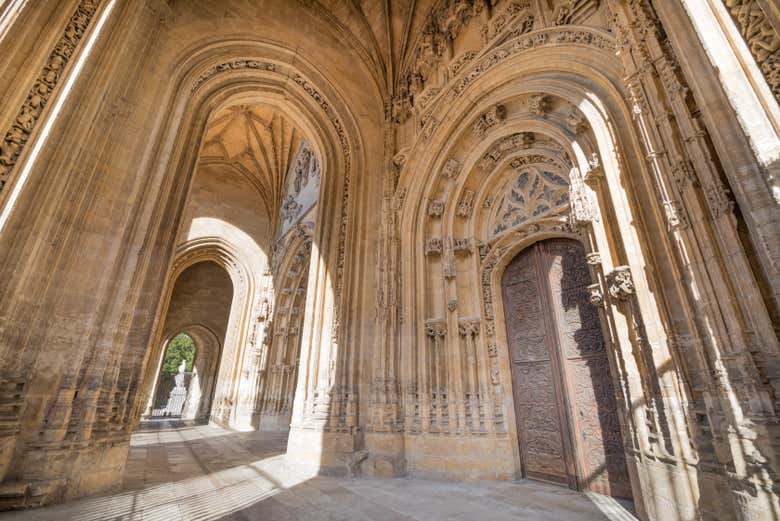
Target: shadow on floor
<point>205,473</point>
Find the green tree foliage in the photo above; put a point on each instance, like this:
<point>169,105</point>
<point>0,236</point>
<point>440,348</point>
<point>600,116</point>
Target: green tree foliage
<point>182,347</point>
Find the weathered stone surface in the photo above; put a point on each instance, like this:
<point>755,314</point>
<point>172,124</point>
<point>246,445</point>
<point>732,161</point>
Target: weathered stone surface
<point>326,195</point>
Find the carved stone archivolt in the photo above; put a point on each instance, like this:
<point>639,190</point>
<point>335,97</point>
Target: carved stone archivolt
<point>40,93</point>
<point>596,134</point>
<point>488,120</point>
<point>762,38</point>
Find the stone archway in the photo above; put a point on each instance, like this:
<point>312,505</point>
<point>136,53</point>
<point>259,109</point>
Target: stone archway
<point>204,292</point>
<point>174,379</point>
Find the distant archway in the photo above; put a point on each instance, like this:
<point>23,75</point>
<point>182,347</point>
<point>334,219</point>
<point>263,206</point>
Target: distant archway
<point>176,377</point>
<point>195,329</point>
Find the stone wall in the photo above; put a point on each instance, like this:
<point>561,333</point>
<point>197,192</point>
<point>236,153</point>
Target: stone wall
<point>117,177</point>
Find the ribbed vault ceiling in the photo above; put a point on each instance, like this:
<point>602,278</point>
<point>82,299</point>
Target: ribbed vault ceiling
<point>259,142</point>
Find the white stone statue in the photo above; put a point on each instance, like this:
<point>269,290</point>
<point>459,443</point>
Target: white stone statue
<point>179,378</point>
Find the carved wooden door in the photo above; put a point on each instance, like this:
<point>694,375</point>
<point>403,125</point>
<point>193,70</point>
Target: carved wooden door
<point>564,398</point>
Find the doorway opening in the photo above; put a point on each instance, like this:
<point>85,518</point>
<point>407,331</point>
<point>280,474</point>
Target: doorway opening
<point>177,385</point>
<point>565,408</point>
<point>194,332</point>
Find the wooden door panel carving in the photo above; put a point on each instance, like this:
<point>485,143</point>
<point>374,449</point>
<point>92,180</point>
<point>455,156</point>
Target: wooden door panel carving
<point>532,372</point>
<point>564,398</point>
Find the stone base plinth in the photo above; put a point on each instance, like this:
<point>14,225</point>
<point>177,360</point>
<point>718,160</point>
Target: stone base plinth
<point>385,455</point>
<point>456,458</point>
<point>321,452</point>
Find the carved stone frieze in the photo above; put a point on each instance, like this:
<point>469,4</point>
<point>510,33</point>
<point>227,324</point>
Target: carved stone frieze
<point>576,121</point>
<point>555,36</point>
<point>428,127</point>
<point>233,65</point>
<point>684,175</point>
<point>719,199</point>
<point>400,197</point>
<point>501,21</point>
<point>460,62</point>
<point>761,37</point>
<point>27,116</point>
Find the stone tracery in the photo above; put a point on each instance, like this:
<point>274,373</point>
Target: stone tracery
<point>377,334</point>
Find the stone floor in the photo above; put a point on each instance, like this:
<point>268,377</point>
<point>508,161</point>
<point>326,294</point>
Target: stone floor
<point>180,472</point>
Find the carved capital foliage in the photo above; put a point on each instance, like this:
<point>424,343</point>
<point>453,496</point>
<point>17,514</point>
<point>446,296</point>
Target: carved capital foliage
<point>435,327</point>
<point>468,327</point>
<point>593,259</point>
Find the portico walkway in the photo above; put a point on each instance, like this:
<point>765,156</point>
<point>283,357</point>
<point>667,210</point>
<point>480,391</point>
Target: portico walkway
<point>178,472</point>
